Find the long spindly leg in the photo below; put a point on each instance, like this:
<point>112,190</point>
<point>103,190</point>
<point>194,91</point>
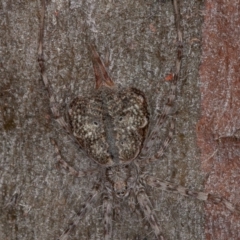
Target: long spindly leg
<point>67,167</point>
<point>147,208</point>
<point>53,104</point>
<point>132,203</point>
<point>203,196</point>
<point>160,152</point>
<point>160,117</point>
<point>108,215</point>
<point>91,200</point>
<point>153,136</point>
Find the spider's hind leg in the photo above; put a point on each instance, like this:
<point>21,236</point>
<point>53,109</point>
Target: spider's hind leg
<point>160,152</point>
<point>146,155</point>
<point>67,167</point>
<point>53,104</point>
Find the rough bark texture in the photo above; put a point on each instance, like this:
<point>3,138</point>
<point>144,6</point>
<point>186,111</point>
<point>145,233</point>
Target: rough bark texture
<point>37,198</point>
<point>218,129</point>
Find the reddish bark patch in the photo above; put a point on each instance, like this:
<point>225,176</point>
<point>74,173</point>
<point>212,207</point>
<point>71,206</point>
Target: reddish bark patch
<point>218,129</point>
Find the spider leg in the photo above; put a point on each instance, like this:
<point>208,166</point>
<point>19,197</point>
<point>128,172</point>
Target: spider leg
<point>160,152</point>
<point>108,215</point>
<point>92,199</point>
<point>53,105</point>
<point>147,208</point>
<point>153,135</point>
<point>67,167</point>
<point>131,201</point>
<point>203,196</point>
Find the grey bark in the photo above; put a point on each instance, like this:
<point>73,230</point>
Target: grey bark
<point>37,198</point>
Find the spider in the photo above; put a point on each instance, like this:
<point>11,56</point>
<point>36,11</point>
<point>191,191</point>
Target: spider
<point>112,126</point>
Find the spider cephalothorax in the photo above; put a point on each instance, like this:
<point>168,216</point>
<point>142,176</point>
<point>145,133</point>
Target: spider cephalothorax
<point>122,179</point>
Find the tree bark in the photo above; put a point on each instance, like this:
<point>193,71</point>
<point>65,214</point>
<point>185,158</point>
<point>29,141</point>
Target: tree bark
<point>38,199</point>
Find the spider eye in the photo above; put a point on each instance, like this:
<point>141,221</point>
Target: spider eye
<point>120,119</point>
<point>121,194</point>
<point>95,123</point>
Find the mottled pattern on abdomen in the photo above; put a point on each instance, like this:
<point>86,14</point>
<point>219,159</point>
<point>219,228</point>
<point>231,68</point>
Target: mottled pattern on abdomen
<point>110,125</point>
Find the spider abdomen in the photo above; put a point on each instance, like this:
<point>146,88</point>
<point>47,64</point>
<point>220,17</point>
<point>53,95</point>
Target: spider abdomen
<point>110,125</point>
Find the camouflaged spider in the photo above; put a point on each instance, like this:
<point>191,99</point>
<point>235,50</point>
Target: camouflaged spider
<point>112,127</point>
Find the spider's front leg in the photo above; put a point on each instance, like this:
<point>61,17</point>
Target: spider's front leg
<point>147,208</point>
<point>85,209</point>
<point>108,215</point>
<point>203,196</point>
